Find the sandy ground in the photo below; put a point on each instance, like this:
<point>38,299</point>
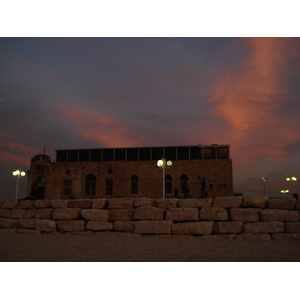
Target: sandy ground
<point>17,247</point>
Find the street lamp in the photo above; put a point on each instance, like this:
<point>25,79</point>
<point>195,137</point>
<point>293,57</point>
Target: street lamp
<point>292,180</point>
<point>18,174</point>
<point>264,180</point>
<point>163,164</point>
<point>284,191</point>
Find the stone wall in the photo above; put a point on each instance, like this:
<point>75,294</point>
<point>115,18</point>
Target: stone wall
<point>219,218</point>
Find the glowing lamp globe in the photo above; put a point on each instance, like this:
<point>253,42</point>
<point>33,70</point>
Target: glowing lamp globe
<point>160,163</point>
<point>169,163</point>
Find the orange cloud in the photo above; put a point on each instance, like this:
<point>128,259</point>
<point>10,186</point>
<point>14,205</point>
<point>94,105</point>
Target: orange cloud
<point>250,101</point>
<point>14,146</point>
<point>14,158</point>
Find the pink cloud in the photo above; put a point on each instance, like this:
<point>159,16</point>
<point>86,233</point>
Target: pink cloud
<point>14,158</point>
<point>14,146</point>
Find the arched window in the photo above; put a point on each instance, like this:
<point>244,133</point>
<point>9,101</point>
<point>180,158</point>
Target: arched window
<point>183,179</point>
<point>134,184</point>
<point>168,184</point>
<point>90,185</point>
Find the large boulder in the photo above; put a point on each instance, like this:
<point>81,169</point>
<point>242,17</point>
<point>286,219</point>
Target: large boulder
<point>99,203</point>
<point>71,225</point>
<point>252,236</point>
<point>153,227</point>
<point>292,227</point>
<point>194,228</point>
<point>25,204</point>
<point>121,214</point>
<point>256,201</point>
<point>269,215</point>
<point>45,225</point>
<point>128,226</point>
<point>167,203</point>
<point>225,202</point>
<point>17,213</point>
<point>264,227</point>
<point>182,214</point>
<point>245,214</point>
<point>4,213</point>
<point>95,214</point>
<point>66,213</point>
<point>10,204</point>
<point>120,203</point>
<point>81,203</point>
<point>149,213</point>
<point>59,203</point>
<point>99,225</point>
<point>46,213</point>
<point>214,214</point>
<point>283,203</point>
<point>144,202</point>
<point>197,203</point>
<point>42,203</point>
<point>228,227</point>
<point>7,223</point>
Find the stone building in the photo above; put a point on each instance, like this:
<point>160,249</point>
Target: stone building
<point>132,172</point>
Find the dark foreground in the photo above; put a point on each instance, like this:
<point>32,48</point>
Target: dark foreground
<point>17,247</point>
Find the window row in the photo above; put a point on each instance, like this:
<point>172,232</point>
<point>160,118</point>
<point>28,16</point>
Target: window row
<point>143,154</point>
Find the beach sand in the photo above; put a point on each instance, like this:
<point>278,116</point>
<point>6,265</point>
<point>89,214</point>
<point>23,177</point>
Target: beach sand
<point>18,247</point>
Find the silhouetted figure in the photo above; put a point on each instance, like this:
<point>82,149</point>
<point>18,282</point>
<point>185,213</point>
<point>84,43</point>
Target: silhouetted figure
<point>203,188</point>
<point>186,191</point>
<point>176,193</point>
<point>34,188</point>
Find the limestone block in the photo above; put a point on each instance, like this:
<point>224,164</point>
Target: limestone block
<point>17,213</point>
<point>149,213</point>
<point>252,236</point>
<point>144,202</point>
<point>128,226</point>
<point>297,206</point>
<point>225,202</point>
<point>7,223</point>
<point>45,225</point>
<point>218,237</point>
<point>46,213</point>
<point>42,203</point>
<point>167,203</point>
<point>66,213</point>
<point>8,230</point>
<point>25,223</point>
<point>264,227</point>
<point>286,236</point>
<point>121,214</point>
<point>99,203</point>
<point>28,231</point>
<point>116,234</point>
<point>269,215</point>
<point>245,214</point>
<point>182,214</point>
<point>213,213</point>
<point>59,203</point>
<point>256,201</point>
<point>292,227</point>
<point>29,214</point>
<point>228,227</point>
<point>25,204</point>
<point>153,227</point>
<point>4,213</point>
<point>71,225</point>
<point>95,214</point>
<point>194,228</point>
<point>99,225</point>
<point>9,204</point>
<point>1,202</point>
<point>284,203</point>
<point>120,203</point>
<point>81,203</point>
<point>197,203</point>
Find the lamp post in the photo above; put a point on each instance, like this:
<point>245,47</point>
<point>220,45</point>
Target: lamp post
<point>163,164</point>
<point>284,191</point>
<point>18,174</point>
<point>292,180</point>
<point>264,180</point>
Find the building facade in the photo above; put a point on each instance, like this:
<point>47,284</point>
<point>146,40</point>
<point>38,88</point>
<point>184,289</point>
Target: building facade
<point>132,172</point>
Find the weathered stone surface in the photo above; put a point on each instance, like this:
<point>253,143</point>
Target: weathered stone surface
<point>81,233</point>
<point>25,223</point>
<point>7,223</point>
<point>99,204</point>
<point>252,236</point>
<point>9,204</point>
<point>167,203</point>
<point>120,203</point>
<point>71,225</point>
<point>153,227</point>
<point>144,202</point>
<point>182,214</point>
<point>245,214</point>
<point>95,214</point>
<point>213,213</point>
<point>269,215</point>
<point>17,213</point>
<point>264,227</point>
<point>256,201</point>
<point>8,230</point>
<point>99,225</point>
<point>121,214</point>
<point>29,214</point>
<point>286,236</point>
<point>194,228</point>
<point>45,225</point>
<point>283,203</point>
<point>28,231</point>
<point>235,201</point>
<point>42,203</point>
<point>46,213</point>
<point>116,234</point>
<point>25,204</point>
<point>81,203</point>
<point>297,206</point>
<point>197,203</point>
<point>218,237</point>
<point>128,226</point>
<point>66,213</point>
<point>149,213</point>
<point>4,213</point>
<point>228,227</point>
<point>59,203</point>
<point>292,227</point>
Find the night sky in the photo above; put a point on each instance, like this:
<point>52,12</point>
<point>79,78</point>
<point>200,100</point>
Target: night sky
<point>77,93</point>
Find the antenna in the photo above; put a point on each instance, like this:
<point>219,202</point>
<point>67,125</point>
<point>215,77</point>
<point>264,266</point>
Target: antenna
<point>44,149</point>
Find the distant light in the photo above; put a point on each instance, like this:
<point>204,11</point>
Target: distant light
<point>294,178</point>
<point>23,173</point>
<point>160,163</point>
<point>285,191</point>
<point>288,179</point>
<point>19,173</point>
<point>263,179</point>
<point>169,163</point>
